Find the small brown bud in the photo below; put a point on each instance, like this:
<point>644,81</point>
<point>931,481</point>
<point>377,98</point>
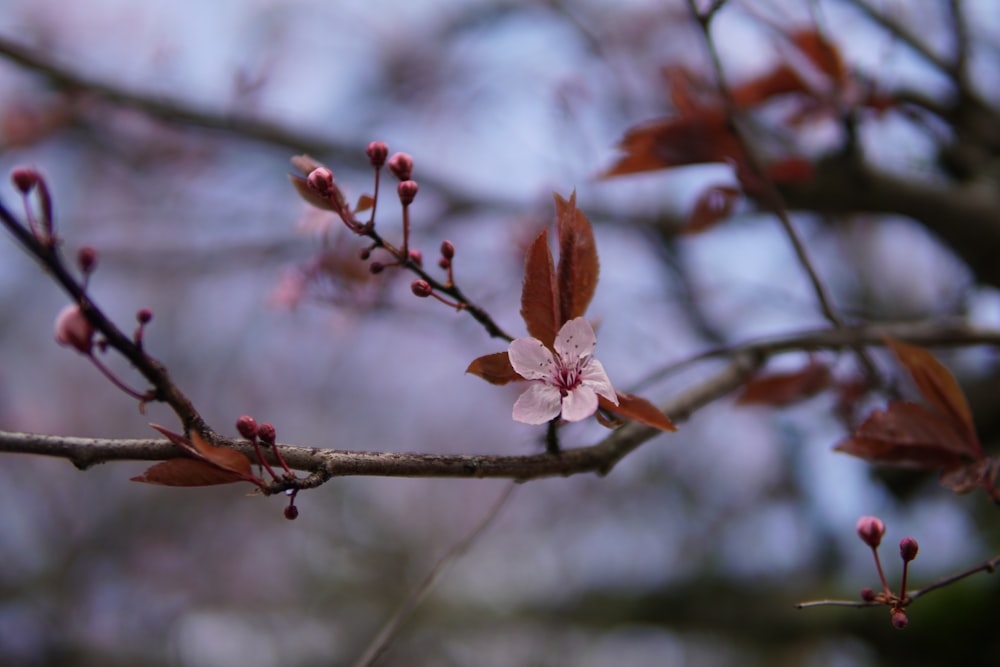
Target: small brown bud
<point>267,433</point>
<point>74,329</point>
<point>421,288</point>
<point>447,249</point>
<point>908,548</point>
<point>868,595</point>
<point>377,151</point>
<point>401,165</point>
<point>25,179</point>
<point>407,191</point>
<point>376,267</point>
<point>364,254</point>
<point>870,530</point>
<point>86,259</point>
<point>247,427</point>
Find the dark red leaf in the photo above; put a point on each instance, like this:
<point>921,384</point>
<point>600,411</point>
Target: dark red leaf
<point>967,478</point>
<point>824,55</point>
<point>188,472</point>
<point>578,265</point>
<point>223,458</point>
<point>907,434</point>
<point>638,409</point>
<point>781,389</point>
<point>779,81</point>
<point>494,368</point>
<point>790,171</point>
<point>714,205</point>
<point>539,296</point>
<point>940,389</point>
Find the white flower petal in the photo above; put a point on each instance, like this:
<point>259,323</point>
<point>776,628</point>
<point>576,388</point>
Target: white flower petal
<point>538,404</point>
<point>575,341</point>
<point>579,404</point>
<point>531,359</point>
<point>592,375</point>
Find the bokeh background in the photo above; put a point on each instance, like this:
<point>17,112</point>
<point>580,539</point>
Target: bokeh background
<point>697,546</point>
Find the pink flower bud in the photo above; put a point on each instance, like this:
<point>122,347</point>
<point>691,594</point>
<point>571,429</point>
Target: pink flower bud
<point>444,263</point>
<point>86,259</point>
<point>74,329</point>
<point>25,179</point>
<point>144,316</point>
<point>364,254</point>
<point>870,530</point>
<point>376,267</point>
<point>247,427</point>
<point>447,249</point>
<point>421,288</point>
<point>320,180</point>
<point>377,152</point>
<point>899,619</point>
<point>266,433</point>
<point>291,512</point>
<point>407,192</point>
<point>908,548</point>
<point>401,165</point>
<point>417,257</point>
<point>868,595</point>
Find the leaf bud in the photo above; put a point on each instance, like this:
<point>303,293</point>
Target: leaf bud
<point>377,151</point>
<point>870,530</point>
<point>320,180</point>
<point>908,548</point>
<point>447,249</point>
<point>247,427</point>
<point>407,191</point>
<point>74,329</point>
<point>421,288</point>
<point>899,619</point>
<point>401,165</point>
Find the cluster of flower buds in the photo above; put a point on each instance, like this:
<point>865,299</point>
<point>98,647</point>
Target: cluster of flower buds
<point>265,436</point>
<point>871,530</point>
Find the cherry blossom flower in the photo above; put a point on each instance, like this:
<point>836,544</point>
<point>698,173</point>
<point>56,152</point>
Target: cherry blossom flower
<point>566,383</point>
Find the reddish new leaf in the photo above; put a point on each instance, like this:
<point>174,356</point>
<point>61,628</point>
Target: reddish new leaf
<point>714,205</point>
<point>539,296</point>
<point>364,203</point>
<point>188,472</point>
<point>781,80</point>
<point>229,464</point>
<point>824,55</point>
<point>940,389</point>
<point>638,409</point>
<point>578,265</point>
<point>907,434</point>
<point>696,138</point>
<point>790,171</point>
<point>494,368</point>
<point>781,389</point>
<point>967,478</point>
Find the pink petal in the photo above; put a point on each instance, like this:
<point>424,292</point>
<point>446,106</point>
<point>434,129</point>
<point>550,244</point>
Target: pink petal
<point>538,404</point>
<point>579,404</point>
<point>592,375</point>
<point>575,341</point>
<point>531,359</point>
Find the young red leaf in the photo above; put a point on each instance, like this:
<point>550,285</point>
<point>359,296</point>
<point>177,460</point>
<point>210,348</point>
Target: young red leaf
<point>223,458</point>
<point>781,389</point>
<point>907,434</point>
<point>824,55</point>
<point>578,265</point>
<point>940,389</point>
<point>790,171</point>
<point>714,205</point>
<point>539,296</point>
<point>494,368</point>
<point>188,472</point>
<point>779,81</point>
<point>364,203</point>
<point>968,477</point>
<point>638,409</point>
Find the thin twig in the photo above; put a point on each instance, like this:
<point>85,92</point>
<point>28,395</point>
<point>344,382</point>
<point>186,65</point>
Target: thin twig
<point>406,607</point>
